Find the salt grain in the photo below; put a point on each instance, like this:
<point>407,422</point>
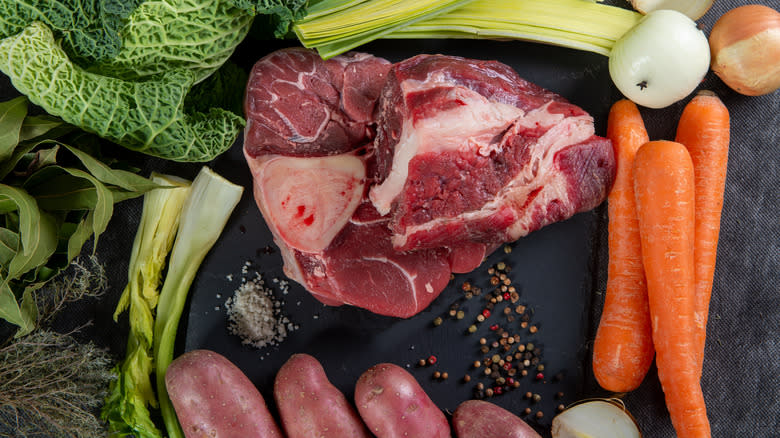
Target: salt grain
<point>255,315</point>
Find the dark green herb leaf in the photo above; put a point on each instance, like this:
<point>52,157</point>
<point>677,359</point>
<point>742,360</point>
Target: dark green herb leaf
<point>11,312</point>
<point>80,235</point>
<point>12,114</point>
<point>54,188</point>
<point>36,126</point>
<point>104,205</point>
<point>29,308</point>
<point>39,246</point>
<point>124,179</point>
<point>44,157</point>
<point>29,216</point>
<point>9,246</point>
<point>8,165</point>
<point>123,195</point>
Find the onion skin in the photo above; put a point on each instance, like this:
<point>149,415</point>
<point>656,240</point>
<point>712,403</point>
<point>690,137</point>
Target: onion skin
<point>745,48</point>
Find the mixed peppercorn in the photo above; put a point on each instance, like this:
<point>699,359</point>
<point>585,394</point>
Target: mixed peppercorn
<point>507,356</point>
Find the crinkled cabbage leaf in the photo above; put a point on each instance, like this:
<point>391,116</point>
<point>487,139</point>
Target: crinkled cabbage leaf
<point>161,35</point>
<point>122,68</point>
<point>282,12</point>
<point>147,116</point>
<point>90,29</point>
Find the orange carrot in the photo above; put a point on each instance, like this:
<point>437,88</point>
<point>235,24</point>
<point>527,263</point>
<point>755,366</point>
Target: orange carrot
<point>704,130</point>
<point>664,190</point>
<point>623,348</point>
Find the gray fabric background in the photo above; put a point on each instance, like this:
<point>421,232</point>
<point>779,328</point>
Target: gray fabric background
<point>741,379</point>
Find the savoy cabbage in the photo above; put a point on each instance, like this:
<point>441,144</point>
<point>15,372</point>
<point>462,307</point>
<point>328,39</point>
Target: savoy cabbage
<point>90,28</point>
<point>147,116</point>
<point>160,35</point>
<point>123,68</point>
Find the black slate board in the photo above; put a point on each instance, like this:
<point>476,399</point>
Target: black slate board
<point>560,269</point>
<point>551,269</point>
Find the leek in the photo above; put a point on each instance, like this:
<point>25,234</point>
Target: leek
<point>203,217</point>
<point>336,26</point>
<point>577,24</point>
<point>131,394</point>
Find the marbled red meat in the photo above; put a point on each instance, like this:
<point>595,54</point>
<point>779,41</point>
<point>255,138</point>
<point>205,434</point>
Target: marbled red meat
<point>469,153</point>
<point>297,104</point>
<point>377,183</point>
<point>337,247</point>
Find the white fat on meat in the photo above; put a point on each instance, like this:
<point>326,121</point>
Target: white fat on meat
<point>307,200</point>
<point>472,125</point>
<point>562,132</point>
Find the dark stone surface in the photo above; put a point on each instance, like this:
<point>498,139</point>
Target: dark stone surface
<point>560,270</point>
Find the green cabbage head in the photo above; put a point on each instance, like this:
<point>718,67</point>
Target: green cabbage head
<point>146,115</point>
<point>122,68</point>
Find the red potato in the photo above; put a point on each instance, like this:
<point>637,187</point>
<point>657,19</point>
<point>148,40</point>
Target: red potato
<point>393,404</point>
<point>310,406</point>
<point>480,419</point>
<point>213,398</point>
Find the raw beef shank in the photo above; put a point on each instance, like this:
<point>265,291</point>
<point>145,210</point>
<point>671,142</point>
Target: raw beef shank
<point>378,180</point>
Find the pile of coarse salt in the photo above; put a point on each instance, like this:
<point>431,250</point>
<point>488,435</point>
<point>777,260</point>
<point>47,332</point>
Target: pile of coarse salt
<point>255,315</point>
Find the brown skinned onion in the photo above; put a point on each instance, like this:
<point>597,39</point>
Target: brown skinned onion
<point>745,48</point>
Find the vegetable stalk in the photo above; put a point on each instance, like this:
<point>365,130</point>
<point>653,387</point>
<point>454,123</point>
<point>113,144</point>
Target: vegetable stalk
<point>126,409</point>
<point>335,26</point>
<point>203,217</point>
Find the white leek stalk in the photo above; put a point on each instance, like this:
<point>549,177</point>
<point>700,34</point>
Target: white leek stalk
<point>336,26</point>
<point>576,24</point>
<point>204,215</point>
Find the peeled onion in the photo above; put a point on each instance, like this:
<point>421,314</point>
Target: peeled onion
<point>602,418</point>
<point>745,46</point>
<point>661,60</point>
<point>694,9</point>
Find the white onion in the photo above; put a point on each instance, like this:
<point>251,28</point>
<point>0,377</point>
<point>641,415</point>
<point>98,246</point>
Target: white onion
<point>595,419</point>
<point>661,60</point>
<point>694,9</point>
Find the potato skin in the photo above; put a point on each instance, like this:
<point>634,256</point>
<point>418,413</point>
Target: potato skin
<point>213,398</point>
<point>393,404</point>
<point>310,406</point>
<point>479,419</point>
